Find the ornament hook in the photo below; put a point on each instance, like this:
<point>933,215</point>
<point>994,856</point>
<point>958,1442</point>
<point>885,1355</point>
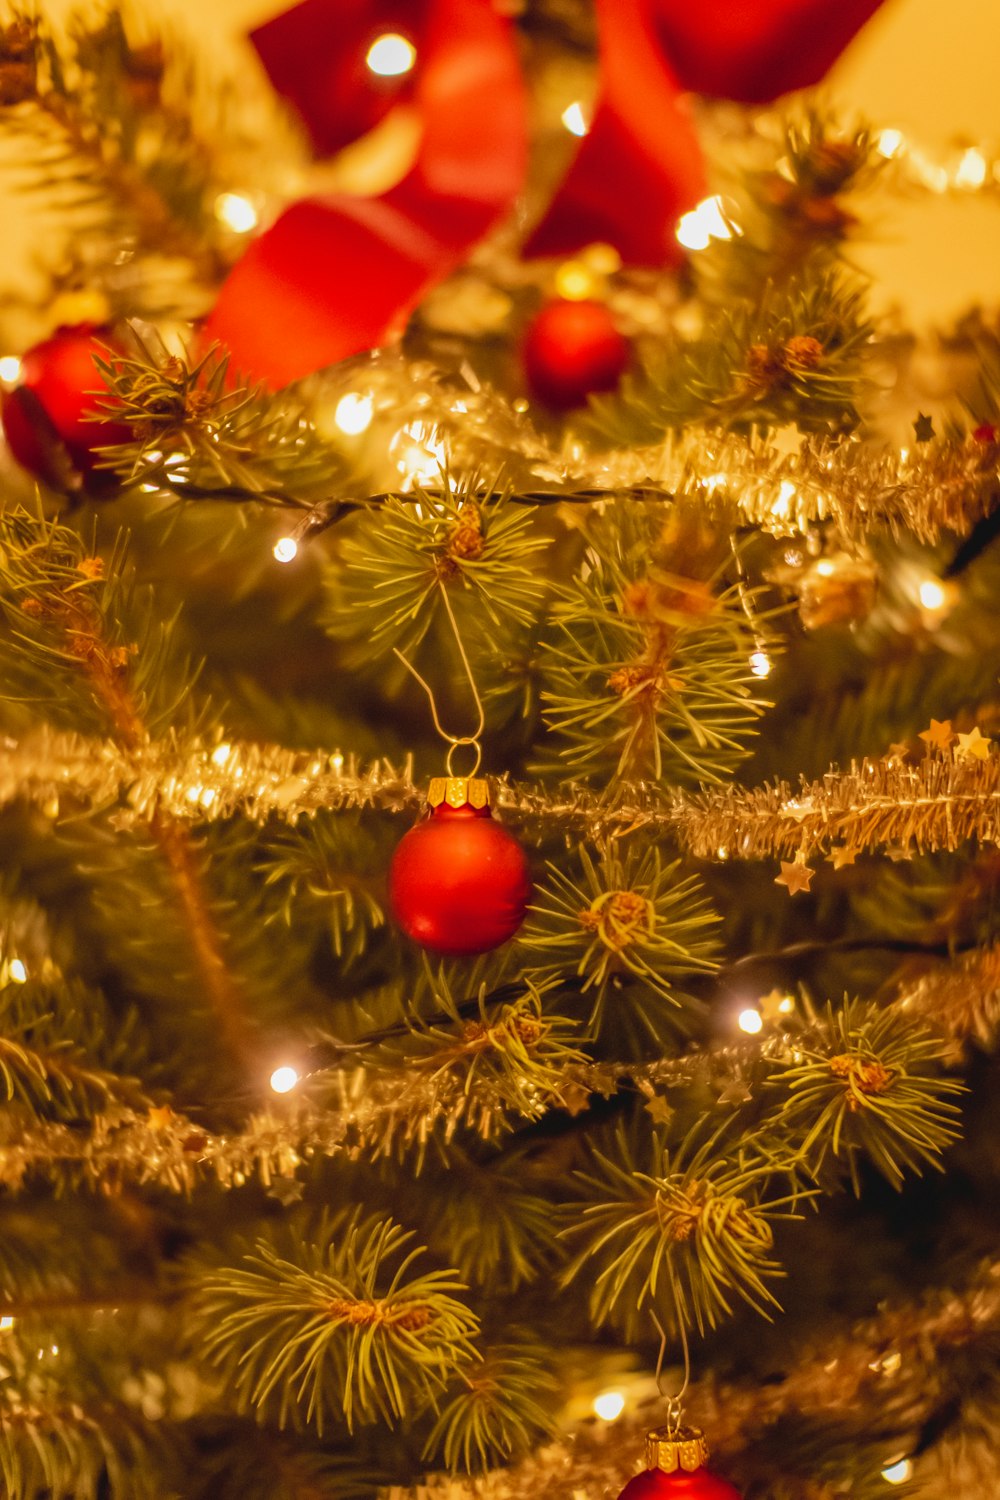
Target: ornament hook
<point>675,1409</point>
<point>454,740</point>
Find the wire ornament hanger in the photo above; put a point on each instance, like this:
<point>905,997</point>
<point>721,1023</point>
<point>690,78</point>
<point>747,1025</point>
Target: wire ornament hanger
<point>454,741</point>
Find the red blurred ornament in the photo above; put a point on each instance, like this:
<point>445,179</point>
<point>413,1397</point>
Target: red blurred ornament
<point>985,433</point>
<point>459,883</point>
<point>44,414</point>
<point>676,1470</point>
<point>571,350</point>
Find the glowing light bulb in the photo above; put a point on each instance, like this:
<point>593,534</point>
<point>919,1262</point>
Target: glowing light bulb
<point>575,120</point>
<point>971,170</point>
<point>221,754</point>
<point>706,222</point>
<point>17,971</point>
<point>609,1405</point>
<point>10,368</point>
<point>391,55</point>
<point>787,1005</point>
<point>283,1080</point>
<point>6,1324</point>
<point>354,413</point>
<point>751,1021</point>
<point>898,1473</point>
<point>575,281</point>
<point>760,663</point>
<point>932,595</point>
<point>285,548</point>
<point>890,142</point>
<point>825,568</point>
<point>236,212</point>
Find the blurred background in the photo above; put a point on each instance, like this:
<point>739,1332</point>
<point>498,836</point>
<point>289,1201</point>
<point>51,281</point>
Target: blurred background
<point>926,68</point>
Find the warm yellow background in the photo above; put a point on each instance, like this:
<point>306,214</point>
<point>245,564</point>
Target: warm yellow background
<point>927,66</point>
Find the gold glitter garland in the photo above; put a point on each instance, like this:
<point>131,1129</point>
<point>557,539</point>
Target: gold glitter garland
<point>939,803</point>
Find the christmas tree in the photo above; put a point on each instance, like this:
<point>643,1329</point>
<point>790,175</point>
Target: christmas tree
<point>498,925</point>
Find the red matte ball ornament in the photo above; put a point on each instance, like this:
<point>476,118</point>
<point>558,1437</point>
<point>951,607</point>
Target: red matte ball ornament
<point>44,414</point>
<point>571,351</point>
<point>459,883</point>
<point>676,1469</point>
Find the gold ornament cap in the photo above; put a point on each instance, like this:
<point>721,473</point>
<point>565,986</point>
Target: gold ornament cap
<point>674,1448</point>
<point>458,791</point>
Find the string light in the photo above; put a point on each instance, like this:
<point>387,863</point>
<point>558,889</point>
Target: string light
<point>932,594</point>
<point>890,142</point>
<point>760,663</point>
<point>354,413</point>
<point>17,971</point>
<point>285,549</point>
<point>971,170</point>
<point>10,369</point>
<point>898,1473</point>
<point>6,1323</point>
<point>609,1405</point>
<point>236,212</point>
<point>751,1021</point>
<point>391,55</point>
<point>787,1005</point>
<point>221,754</point>
<point>706,222</point>
<point>575,120</point>
<point>284,1079</point>
<point>575,281</point>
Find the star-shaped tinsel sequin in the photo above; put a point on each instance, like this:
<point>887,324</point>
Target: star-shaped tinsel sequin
<point>939,735</point>
<point>923,428</point>
<point>843,855</point>
<point>898,752</point>
<point>795,876</point>
<point>973,746</point>
<point>659,1109</point>
<point>775,1004</point>
<point>735,1093</point>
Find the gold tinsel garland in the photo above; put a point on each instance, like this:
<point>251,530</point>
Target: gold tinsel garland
<point>890,1363</point>
<point>938,803</point>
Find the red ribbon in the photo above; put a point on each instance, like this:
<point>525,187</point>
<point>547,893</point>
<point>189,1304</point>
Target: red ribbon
<point>338,274</point>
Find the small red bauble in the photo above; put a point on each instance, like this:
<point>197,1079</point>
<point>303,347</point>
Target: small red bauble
<point>654,1484</point>
<point>571,350</point>
<point>459,883</point>
<point>46,409</point>
<point>677,1471</point>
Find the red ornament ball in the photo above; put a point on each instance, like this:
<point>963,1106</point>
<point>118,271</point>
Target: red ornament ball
<point>459,883</point>
<point>43,415</point>
<point>701,1484</point>
<point>571,350</point>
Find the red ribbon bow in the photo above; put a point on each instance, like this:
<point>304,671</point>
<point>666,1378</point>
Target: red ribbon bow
<point>338,274</point>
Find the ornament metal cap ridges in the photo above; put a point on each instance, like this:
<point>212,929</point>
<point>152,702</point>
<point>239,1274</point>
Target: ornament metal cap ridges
<point>676,1448</point>
<point>458,791</point>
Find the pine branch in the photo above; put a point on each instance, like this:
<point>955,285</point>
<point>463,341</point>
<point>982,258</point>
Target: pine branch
<point>200,432</point>
<point>627,925</point>
<point>395,565</point>
<point>497,1415</point>
<point>93,109</point>
<point>350,1331</point>
<point>689,1237</point>
<point>648,675</point>
<point>67,621</point>
<point>869,1089</point>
